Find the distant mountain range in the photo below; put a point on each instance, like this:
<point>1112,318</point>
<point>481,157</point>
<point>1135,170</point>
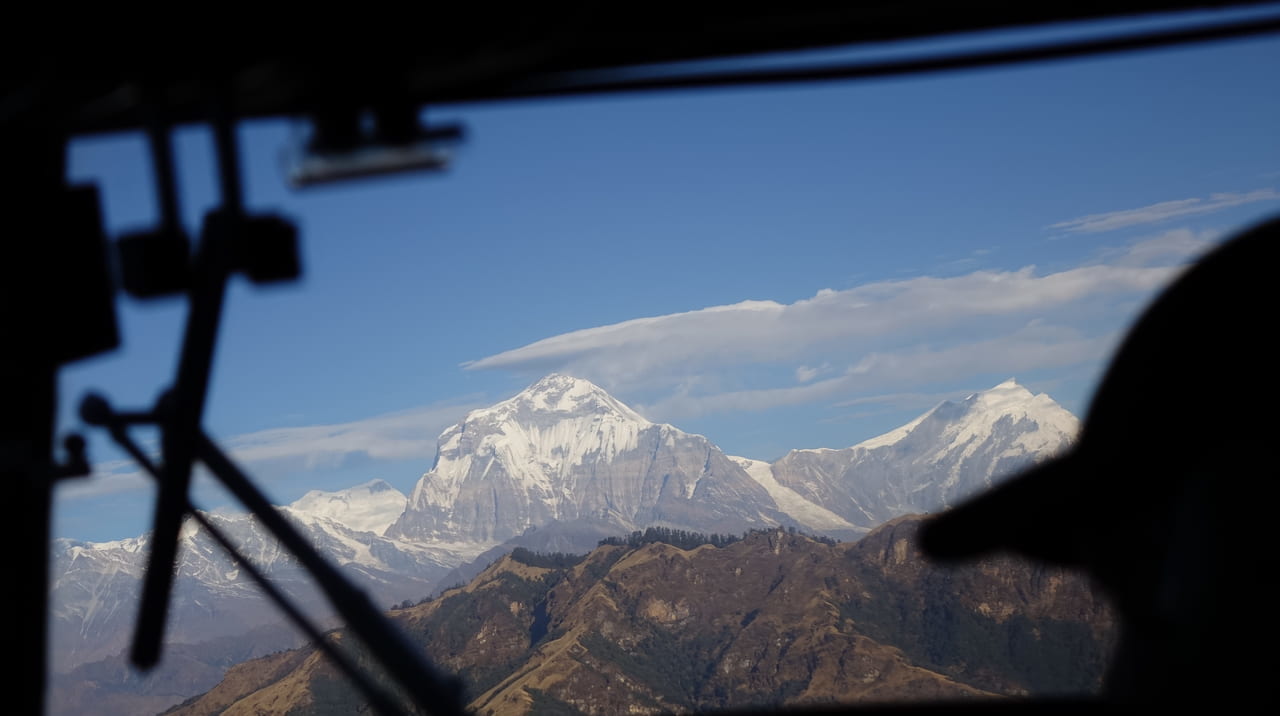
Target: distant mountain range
<point>564,451</point>
<point>776,619</point>
<point>96,585</point>
<point>555,468</point>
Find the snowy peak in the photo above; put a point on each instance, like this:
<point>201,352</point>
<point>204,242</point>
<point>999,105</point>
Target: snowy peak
<point>553,425</point>
<point>562,450</point>
<point>562,396</point>
<point>1049,424</point>
<point>1007,395</point>
<point>980,415</point>
<point>370,507</point>
<point>95,585</point>
<point>946,455</point>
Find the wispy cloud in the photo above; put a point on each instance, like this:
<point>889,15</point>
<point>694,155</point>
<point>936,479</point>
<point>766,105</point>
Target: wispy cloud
<point>1163,211</point>
<point>880,403</point>
<point>805,373</point>
<point>1172,247</point>
<point>1036,347</point>
<point>888,335</point>
<point>903,400</point>
<point>765,331</point>
<point>847,347</point>
<point>395,436</point>
<point>108,477</point>
<point>404,435</point>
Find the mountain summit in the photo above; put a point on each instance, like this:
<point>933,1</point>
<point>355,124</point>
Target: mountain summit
<point>543,432</point>
<point>564,450</point>
<point>561,394</point>
<point>942,457</point>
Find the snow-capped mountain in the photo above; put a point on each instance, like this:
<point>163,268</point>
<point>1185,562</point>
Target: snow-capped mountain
<point>949,453</point>
<point>370,507</point>
<point>554,468</point>
<point>804,511</point>
<point>95,588</point>
<point>564,450</point>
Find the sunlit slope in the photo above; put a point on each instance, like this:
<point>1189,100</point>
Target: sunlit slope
<point>776,618</point>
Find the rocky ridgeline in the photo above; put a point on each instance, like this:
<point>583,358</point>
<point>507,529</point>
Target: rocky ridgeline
<point>777,618</point>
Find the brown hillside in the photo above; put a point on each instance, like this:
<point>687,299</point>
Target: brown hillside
<point>774,619</point>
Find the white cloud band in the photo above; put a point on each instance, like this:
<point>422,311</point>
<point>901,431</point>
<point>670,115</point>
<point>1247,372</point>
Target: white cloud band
<point>402,435</point>
<point>1163,211</point>
<point>890,333</point>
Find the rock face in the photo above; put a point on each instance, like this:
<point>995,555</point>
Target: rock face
<point>564,450</point>
<point>949,453</point>
<point>776,619</point>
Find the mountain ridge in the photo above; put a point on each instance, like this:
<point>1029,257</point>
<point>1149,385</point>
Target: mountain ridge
<point>557,467</point>
<point>95,585</point>
<point>774,618</point>
<point>947,454</point>
<point>535,459</point>
<point>539,458</point>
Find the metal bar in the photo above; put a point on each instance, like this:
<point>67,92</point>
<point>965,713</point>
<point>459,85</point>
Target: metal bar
<point>43,304</point>
<point>181,418</point>
<point>377,698</point>
<point>560,84</point>
<point>403,662</point>
<point>161,144</point>
<point>889,68</point>
<point>26,442</point>
<point>224,134</point>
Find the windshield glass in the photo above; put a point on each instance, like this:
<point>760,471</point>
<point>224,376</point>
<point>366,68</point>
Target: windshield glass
<point>730,315</point>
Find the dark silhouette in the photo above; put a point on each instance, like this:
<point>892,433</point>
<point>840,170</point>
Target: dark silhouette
<point>59,293</point>
<point>1167,498</point>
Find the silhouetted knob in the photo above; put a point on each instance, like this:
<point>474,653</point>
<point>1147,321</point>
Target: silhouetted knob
<point>95,410</point>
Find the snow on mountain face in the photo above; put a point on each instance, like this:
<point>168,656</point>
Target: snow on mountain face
<point>370,507</point>
<point>562,453</point>
<point>936,460</point>
<point>544,431</point>
<point>564,450</point>
<point>813,516</point>
<point>982,416</point>
<point>96,585</point>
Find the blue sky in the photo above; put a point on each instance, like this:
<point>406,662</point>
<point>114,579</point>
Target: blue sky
<point>814,265</point>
